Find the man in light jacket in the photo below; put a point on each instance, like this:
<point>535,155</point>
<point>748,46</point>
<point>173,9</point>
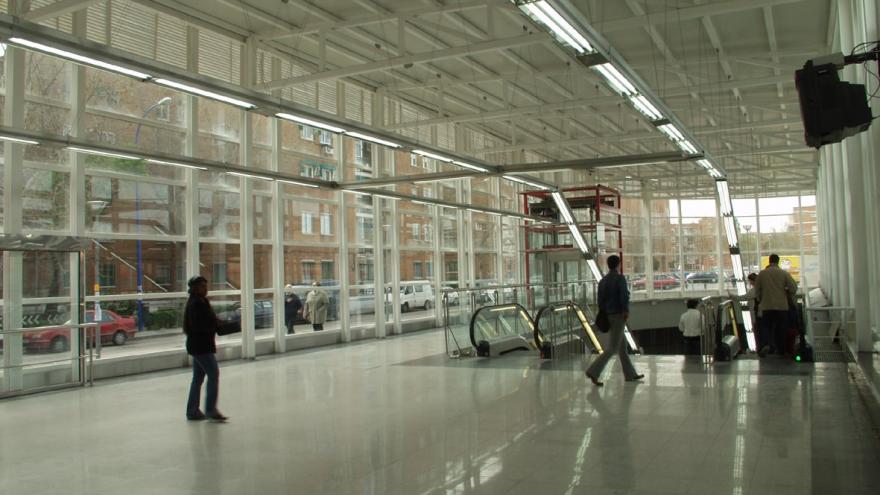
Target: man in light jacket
<point>316,306</point>
<point>774,289</point>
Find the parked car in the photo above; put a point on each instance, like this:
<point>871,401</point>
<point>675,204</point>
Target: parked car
<point>453,297</point>
<point>115,329</point>
<point>701,278</point>
<point>263,313</point>
<point>662,281</point>
<point>415,294</point>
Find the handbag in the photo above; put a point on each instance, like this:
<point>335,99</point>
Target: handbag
<point>229,327</point>
<point>602,322</point>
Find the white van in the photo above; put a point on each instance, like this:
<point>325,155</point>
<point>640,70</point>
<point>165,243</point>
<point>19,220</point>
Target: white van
<point>416,294</point>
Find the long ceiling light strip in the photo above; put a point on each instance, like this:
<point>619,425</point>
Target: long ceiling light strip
<point>724,197</point>
<point>446,159</point>
<point>75,57</point>
<point>13,139</point>
<point>646,107</point>
<point>215,94</point>
<point>617,80</point>
<point>186,88</point>
<point>372,139</point>
<point>560,27</point>
<point>526,182</point>
<point>309,122</point>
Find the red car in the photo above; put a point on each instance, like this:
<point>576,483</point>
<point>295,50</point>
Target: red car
<point>114,328</point>
<point>662,281</point>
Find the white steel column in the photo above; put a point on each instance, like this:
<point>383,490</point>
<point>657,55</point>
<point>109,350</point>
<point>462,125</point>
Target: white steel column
<point>12,211</point>
<point>680,244</point>
<point>191,144</point>
<point>397,327</point>
<point>720,243</point>
<point>344,269</point>
<point>76,193</point>
<point>647,197</point>
<point>499,237</point>
<point>248,337</point>
<point>277,219</point>
<point>379,260</point>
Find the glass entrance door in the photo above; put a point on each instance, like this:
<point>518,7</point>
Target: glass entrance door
<point>41,341</point>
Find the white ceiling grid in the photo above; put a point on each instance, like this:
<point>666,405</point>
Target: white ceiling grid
<point>724,66</point>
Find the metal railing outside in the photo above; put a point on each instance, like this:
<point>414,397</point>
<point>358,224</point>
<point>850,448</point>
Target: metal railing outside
<point>831,330</point>
<point>708,308</point>
<point>88,341</point>
<point>459,305</point>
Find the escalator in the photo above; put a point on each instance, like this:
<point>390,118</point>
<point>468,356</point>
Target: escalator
<point>497,330</point>
<point>559,327</point>
<point>564,328</point>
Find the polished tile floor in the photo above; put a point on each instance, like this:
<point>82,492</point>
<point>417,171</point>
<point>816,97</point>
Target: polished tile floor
<point>396,417</point>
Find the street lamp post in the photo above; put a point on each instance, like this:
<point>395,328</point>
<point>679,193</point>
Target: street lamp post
<point>137,217</point>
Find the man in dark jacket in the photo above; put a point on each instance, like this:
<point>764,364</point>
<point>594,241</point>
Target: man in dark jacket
<point>292,305</point>
<point>200,324</point>
<point>614,301</point>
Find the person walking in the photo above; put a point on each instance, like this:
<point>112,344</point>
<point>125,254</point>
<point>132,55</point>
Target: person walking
<point>614,301</point>
<point>316,306</point>
<point>292,305</point>
<point>774,288</point>
<point>691,327</point>
<point>200,324</point>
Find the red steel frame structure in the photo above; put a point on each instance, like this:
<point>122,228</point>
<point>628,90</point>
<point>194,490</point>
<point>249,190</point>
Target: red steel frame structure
<point>603,200</point>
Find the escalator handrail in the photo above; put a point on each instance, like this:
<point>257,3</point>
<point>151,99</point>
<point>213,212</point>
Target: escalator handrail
<point>496,306</point>
<point>590,333</point>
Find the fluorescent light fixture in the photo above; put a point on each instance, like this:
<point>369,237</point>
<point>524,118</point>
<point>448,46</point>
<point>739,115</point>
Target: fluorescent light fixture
<point>737,263</point>
<point>629,339</point>
<point>394,198</point>
<point>75,57</point>
<point>687,147</point>
<point>250,176</point>
<point>741,288</point>
<point>438,179</point>
<point>175,164</point>
<point>309,122</point>
<point>565,26</point>
<point>416,201</point>
<point>295,183</point>
<point>433,155</point>
<point>715,173</point>
<point>747,323</point>
<point>372,139</point>
<point>359,193</point>
<point>204,92</point>
<point>470,166</point>
<point>730,230</point>
<point>616,79</point>
<point>706,164</point>
<point>578,238</point>
<point>563,30</point>
<point>645,107</point>
<point>671,132</point>
<point>562,205</point>
<point>526,182</point>
<point>484,211</point>
<point>724,197</point>
<point>594,269</point>
<point>103,153</point>
<point>18,140</point>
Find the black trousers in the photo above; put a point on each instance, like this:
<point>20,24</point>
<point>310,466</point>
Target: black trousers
<point>776,327</point>
<point>692,346</point>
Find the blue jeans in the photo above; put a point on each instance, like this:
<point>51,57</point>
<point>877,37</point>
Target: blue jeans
<point>203,364</point>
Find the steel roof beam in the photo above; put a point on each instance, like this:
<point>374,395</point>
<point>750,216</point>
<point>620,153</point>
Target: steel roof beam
<point>58,9</point>
<point>689,13</point>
